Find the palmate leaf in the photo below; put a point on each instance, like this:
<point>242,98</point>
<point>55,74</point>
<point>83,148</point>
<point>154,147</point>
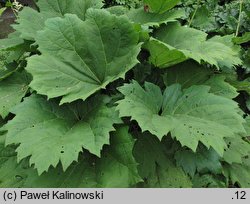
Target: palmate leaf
<point>49,9</point>
<point>155,167</point>
<point>49,133</point>
<point>81,57</point>
<point>20,175</point>
<point>160,6</point>
<point>175,43</point>
<point>115,168</point>
<point>78,175</point>
<point>190,115</point>
<point>12,90</point>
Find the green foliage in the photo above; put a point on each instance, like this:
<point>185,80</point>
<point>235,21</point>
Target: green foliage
<point>214,16</point>
<point>203,161</point>
<point>63,130</point>
<point>155,164</point>
<point>188,114</point>
<point>50,9</point>
<point>134,93</point>
<point>83,68</point>
<point>176,44</point>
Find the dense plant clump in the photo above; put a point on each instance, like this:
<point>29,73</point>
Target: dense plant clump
<point>151,93</point>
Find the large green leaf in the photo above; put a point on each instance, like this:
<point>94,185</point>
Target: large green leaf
<point>175,43</point>
<point>12,90</point>
<point>49,133</point>
<point>49,9</point>
<point>81,57</point>
<point>116,168</point>
<point>149,19</point>
<point>204,161</point>
<point>160,6</point>
<point>61,7</point>
<point>20,175</point>
<point>190,115</point>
